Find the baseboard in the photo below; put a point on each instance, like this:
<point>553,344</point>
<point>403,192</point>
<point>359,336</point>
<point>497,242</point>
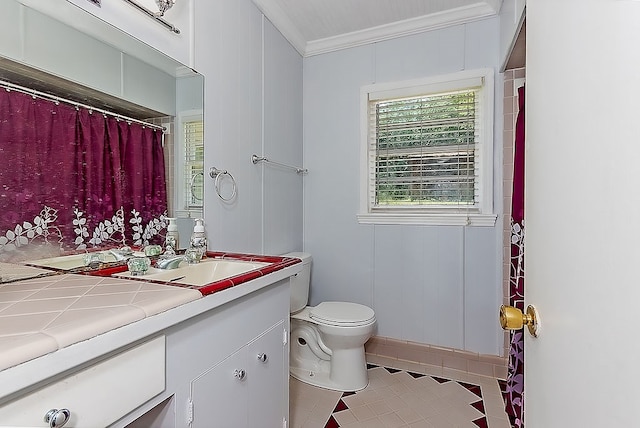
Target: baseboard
<point>446,358</point>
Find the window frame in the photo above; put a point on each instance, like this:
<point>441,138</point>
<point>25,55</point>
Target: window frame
<point>480,215</point>
<point>182,210</point>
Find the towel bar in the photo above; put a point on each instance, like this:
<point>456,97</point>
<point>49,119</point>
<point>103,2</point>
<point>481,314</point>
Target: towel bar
<point>255,159</point>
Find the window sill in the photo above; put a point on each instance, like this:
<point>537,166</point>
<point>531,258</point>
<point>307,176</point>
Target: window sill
<point>192,213</point>
<point>439,219</point>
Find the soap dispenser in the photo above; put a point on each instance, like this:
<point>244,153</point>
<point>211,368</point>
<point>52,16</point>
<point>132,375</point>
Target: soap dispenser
<point>172,239</point>
<point>198,242</point>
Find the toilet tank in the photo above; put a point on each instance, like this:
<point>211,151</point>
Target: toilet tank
<point>299,283</point>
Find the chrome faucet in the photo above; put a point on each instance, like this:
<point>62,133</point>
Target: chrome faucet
<point>121,254</point>
<point>171,262</point>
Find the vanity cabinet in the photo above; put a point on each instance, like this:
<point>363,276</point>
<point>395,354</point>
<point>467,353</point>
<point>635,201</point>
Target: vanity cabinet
<point>218,361</point>
<point>227,367</point>
<point>240,390</point>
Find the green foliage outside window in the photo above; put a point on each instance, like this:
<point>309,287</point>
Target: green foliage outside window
<point>425,150</point>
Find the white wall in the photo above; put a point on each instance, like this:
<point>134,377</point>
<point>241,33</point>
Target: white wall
<point>252,104</point>
<point>435,285</point>
<point>282,188</point>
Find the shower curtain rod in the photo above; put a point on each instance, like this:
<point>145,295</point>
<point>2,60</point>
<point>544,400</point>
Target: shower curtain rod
<point>56,99</point>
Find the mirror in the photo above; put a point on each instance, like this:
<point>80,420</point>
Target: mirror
<point>135,81</point>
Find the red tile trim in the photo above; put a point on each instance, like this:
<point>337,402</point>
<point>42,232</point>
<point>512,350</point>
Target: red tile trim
<point>276,263</point>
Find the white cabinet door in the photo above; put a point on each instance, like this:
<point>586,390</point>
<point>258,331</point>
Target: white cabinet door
<point>266,378</point>
<point>246,389</point>
<point>219,396</point>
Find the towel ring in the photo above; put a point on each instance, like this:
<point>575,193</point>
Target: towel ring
<point>193,184</point>
<point>217,175</point>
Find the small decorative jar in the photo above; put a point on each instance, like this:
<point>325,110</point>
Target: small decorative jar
<point>152,250</point>
<point>90,259</point>
<point>192,255</point>
<point>138,265</point>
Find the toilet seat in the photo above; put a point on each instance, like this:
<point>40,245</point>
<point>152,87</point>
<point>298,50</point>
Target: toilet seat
<point>342,314</point>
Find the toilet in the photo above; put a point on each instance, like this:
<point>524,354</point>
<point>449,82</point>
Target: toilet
<point>327,340</point>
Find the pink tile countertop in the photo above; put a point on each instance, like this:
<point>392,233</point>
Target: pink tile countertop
<point>42,315</point>
<point>49,312</point>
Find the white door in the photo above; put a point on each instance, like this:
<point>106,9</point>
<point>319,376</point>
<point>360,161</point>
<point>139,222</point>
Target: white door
<point>582,249</point>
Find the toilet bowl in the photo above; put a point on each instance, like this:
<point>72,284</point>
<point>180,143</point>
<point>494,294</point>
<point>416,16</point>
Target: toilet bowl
<point>327,340</point>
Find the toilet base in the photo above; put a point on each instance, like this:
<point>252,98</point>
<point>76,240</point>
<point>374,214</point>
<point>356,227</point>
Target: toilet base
<point>347,370</point>
<point>321,378</point>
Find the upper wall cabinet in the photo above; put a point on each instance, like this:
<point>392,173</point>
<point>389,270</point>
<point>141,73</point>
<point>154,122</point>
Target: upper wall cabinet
<point>53,51</point>
<point>105,21</point>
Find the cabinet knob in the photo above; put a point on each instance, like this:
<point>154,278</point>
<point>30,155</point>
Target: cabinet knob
<point>57,418</point>
<point>240,374</point>
<point>263,358</point>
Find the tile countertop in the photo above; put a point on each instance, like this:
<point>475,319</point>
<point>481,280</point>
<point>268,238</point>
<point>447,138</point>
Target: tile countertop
<point>276,263</point>
<point>52,324</point>
<point>42,315</point>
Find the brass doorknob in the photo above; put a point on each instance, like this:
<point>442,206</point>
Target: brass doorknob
<point>513,319</point>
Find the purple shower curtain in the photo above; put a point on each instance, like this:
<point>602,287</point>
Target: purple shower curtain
<point>515,377</point>
<point>73,179</point>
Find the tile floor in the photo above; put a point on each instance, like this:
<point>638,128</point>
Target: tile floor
<point>416,396</point>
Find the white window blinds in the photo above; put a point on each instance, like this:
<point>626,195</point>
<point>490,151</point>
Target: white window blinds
<point>194,163</point>
<point>422,150</point>
<point>427,150</point>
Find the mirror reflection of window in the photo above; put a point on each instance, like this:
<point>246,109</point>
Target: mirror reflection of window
<point>190,165</point>
<point>193,163</point>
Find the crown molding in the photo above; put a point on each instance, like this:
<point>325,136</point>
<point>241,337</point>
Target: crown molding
<point>407,27</point>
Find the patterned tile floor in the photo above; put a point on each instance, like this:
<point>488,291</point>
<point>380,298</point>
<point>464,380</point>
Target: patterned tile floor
<point>415,396</point>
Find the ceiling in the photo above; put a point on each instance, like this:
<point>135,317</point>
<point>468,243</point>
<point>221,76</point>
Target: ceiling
<point>319,26</point>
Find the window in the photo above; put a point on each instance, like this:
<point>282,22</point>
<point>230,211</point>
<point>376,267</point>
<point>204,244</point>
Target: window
<point>193,163</point>
<point>427,153</point>
<point>190,169</point>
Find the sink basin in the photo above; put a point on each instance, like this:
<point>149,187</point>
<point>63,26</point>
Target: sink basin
<point>206,272</point>
<point>73,261</point>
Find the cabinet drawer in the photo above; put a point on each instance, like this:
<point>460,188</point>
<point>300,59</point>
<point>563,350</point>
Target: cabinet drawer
<point>98,395</point>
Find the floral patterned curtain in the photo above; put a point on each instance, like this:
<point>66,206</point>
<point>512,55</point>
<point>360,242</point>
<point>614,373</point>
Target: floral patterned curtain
<point>73,179</point>
<point>515,376</point>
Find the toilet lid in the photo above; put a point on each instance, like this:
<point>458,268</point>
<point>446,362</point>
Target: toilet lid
<point>342,314</point>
